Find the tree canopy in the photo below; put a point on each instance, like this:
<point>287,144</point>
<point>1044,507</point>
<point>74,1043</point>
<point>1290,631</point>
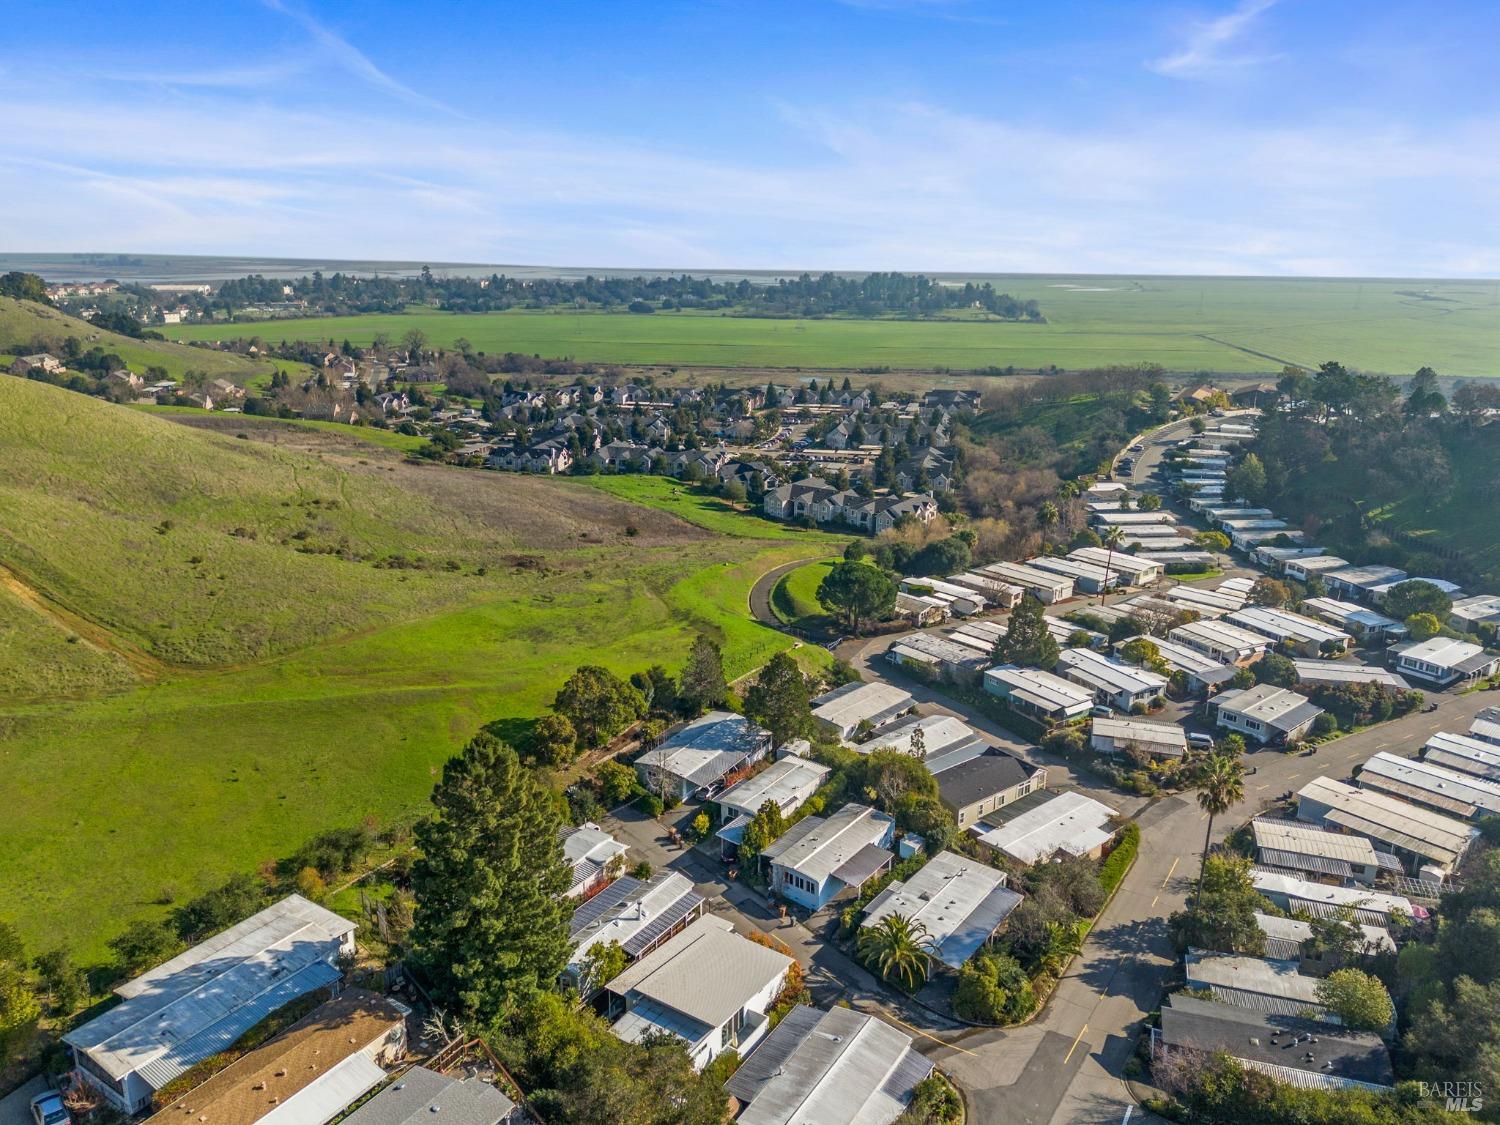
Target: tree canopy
<point>1027,641</point>
<point>779,700</point>
<point>855,592</point>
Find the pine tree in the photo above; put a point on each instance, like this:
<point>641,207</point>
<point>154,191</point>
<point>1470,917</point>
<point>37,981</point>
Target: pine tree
<point>779,700</point>
<point>702,684</point>
<point>1027,641</point>
<point>490,928</point>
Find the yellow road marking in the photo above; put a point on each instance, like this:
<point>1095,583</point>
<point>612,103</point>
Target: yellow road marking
<point>925,1034</point>
<point>1074,1047</point>
<point>1170,870</point>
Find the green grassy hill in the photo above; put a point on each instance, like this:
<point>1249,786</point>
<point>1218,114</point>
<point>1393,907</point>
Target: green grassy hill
<point>189,685</point>
<point>21,322</point>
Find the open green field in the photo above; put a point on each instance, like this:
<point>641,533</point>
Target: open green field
<point>22,322</point>
<point>181,702</point>
<point>1229,325</point>
<point>700,508</point>
<point>386,439</point>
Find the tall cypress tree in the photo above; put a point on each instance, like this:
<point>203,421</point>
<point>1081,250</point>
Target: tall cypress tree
<point>490,927</point>
<point>702,683</point>
<point>1027,641</point>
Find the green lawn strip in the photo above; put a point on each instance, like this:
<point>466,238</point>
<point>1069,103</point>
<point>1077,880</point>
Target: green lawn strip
<point>795,598</point>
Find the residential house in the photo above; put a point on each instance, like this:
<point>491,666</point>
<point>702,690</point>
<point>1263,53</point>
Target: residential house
<point>820,858</point>
<point>939,658</point>
<point>1317,853</point>
<point>1430,843</point>
<point>1431,785</point>
<point>1043,585</point>
<point>1206,603</point>
<point>1136,570</point>
<point>39,361</point>
<point>1268,714</point>
<point>838,1067</point>
<point>201,1001</point>
<point>420,1093</point>
<point>1359,581</point>
<point>701,753</point>
<point>1292,1049</point>
<point>795,500</point>
<point>1478,757</point>
<point>593,855</point>
<point>639,914</point>
<point>788,783</point>
<point>708,986</point>
<point>1121,737</point>
<point>1291,939</point>
<point>1306,569</point>
<point>1344,672</point>
<point>1043,825</point>
<point>307,1074</point>
<point>961,903</point>
<point>621,456</point>
<point>1223,641</point>
<point>1486,726</point>
<point>1273,987</point>
<point>1324,900</point>
<point>842,711</point>
<point>1088,577</point>
<point>1366,624</point>
<point>1113,682</point>
<point>960,600</point>
<point>1204,673</point>
<point>944,740</point>
<point>1301,634</point>
<point>921,610</point>
<point>1039,694</point>
<point>1443,661</point>
<point>979,785</point>
<point>1001,595</point>
<point>1468,614</point>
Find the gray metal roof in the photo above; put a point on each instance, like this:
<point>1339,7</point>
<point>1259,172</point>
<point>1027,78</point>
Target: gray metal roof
<point>960,901</point>
<point>707,748</point>
<point>1280,1041</point>
<point>817,847</point>
<point>422,1094</point>
<point>1464,753</point>
<point>207,997</point>
<point>839,1067</point>
<point>786,782</point>
<point>708,972</point>
<point>846,707</point>
<point>1387,819</point>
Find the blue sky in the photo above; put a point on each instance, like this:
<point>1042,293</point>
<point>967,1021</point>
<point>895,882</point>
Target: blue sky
<point>1247,136</point>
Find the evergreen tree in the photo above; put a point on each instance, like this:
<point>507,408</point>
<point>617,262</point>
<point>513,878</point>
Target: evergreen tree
<point>702,684</point>
<point>779,700</point>
<point>599,705</point>
<point>1027,641</point>
<point>855,592</point>
<point>490,927</point>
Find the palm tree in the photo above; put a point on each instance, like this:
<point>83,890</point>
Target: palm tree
<point>1063,944</point>
<point>1112,538</point>
<point>1048,515</point>
<point>898,947</point>
<point>1221,785</point>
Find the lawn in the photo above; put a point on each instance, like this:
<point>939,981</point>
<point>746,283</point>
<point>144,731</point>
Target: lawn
<point>1229,325</point>
<point>374,435</point>
<point>216,713</point>
<point>795,599</point>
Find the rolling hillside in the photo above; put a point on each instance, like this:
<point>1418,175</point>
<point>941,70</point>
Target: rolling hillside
<point>22,322</point>
<point>214,646</point>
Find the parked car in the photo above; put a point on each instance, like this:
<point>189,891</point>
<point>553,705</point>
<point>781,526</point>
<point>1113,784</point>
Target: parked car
<point>47,1109</point>
<point>1200,741</point>
<point>1102,712</point>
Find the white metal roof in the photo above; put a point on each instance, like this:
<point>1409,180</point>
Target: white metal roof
<point>1304,839</point>
<point>940,733</point>
<point>1043,687</point>
<point>1443,652</point>
<point>1196,597</point>
<point>1028,577</point>
<point>1389,820</point>
<point>1274,706</point>
<point>589,842</point>
<point>1180,656</point>
<point>1077,569</point>
<point>1486,726</point>
<point>1069,822</point>
<point>1108,674</point>
<point>1220,635</point>
<point>1455,792</point>
<point>1345,672</point>
<point>847,706</point>
<point>708,972</point>
<point>1480,607</point>
<point>1365,577</point>
<point>787,782</point>
<point>1280,624</point>
<point>1304,890</point>
<point>817,847</point>
<point>230,975</point>
<point>1465,753</point>
<point>707,748</point>
<point>1121,561</point>
<point>959,900</point>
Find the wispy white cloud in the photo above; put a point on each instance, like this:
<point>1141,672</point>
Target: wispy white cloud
<point>1210,46</point>
<point>351,59</point>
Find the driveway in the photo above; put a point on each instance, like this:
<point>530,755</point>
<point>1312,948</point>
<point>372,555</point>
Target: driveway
<point>15,1107</point>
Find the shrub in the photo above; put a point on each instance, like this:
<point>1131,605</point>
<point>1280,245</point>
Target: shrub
<point>651,804</point>
<point>1114,867</point>
<point>992,988</point>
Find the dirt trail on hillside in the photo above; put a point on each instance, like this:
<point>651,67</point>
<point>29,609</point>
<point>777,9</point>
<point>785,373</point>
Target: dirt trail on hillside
<point>142,663</point>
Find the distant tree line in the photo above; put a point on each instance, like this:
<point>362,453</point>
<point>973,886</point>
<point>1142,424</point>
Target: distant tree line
<point>828,294</point>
